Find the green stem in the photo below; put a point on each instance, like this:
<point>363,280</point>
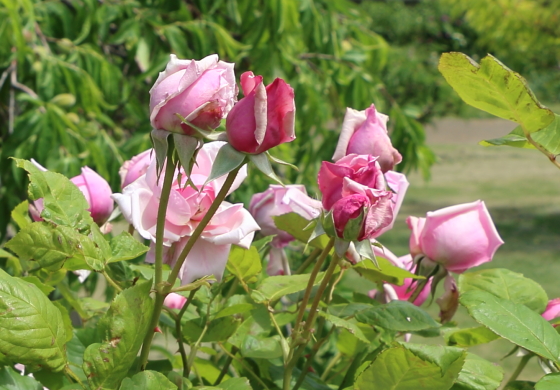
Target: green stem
<point>312,256</point>
<point>71,374</point>
<point>160,229</point>
<point>111,281</point>
<point>524,360</point>
<point>309,360</point>
<point>419,287</point>
<point>162,210</point>
<point>245,366</point>
<point>198,231</point>
<point>333,362</point>
<point>349,377</point>
<point>225,368</point>
<point>312,277</point>
<point>179,331</point>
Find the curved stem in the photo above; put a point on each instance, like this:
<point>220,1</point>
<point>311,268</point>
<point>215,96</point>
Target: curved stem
<point>541,149</point>
<point>419,287</point>
<point>111,281</point>
<point>198,231</point>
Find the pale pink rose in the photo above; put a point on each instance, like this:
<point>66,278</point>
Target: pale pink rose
<point>278,200</point>
<point>175,301</point>
<point>457,237</point>
<point>264,118</point>
<point>365,132</point>
<point>351,185</point>
<point>135,167</point>
<point>552,310</point>
<point>95,189</point>
<point>449,301</point>
<point>202,92</point>
<point>230,225</point>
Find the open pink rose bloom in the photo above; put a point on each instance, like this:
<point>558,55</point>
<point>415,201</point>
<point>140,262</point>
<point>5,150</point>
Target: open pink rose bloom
<point>231,224</point>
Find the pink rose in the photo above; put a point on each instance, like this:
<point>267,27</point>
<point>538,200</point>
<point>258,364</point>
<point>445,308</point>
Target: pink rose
<point>552,310</point>
<point>352,186</point>
<point>365,132</point>
<point>135,167</point>
<point>231,224</point>
<point>457,237</point>
<point>95,189</point>
<point>278,200</point>
<point>174,301</point>
<point>264,118</point>
<point>202,92</point>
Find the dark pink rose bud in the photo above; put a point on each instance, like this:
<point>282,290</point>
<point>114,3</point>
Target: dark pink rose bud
<point>365,132</point>
<point>264,118</point>
<point>458,237</point>
<point>135,167</point>
<point>202,92</point>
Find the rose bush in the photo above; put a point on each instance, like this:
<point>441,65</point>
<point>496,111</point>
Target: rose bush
<point>202,92</point>
<point>264,118</point>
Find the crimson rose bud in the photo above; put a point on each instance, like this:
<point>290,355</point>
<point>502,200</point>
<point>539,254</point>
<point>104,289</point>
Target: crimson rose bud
<point>264,118</point>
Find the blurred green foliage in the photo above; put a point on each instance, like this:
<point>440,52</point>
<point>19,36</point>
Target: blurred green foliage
<point>75,74</point>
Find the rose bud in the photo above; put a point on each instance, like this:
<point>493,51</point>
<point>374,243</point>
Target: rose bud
<point>264,118</point>
<point>365,132</point>
<point>174,301</point>
<point>552,310</point>
<point>96,190</point>
<point>202,92</point>
<point>457,237</point>
<point>135,167</point>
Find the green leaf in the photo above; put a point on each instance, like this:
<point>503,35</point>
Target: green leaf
<point>63,201</point>
<point>257,324</point>
<point>218,330</point>
<point>123,328</point>
<point>20,214</point>
<point>125,247</point>
<point>442,356</point>
<point>275,287</point>
<point>400,369</point>
<point>45,289</point>
<point>235,384</point>
<point>386,271</point>
<point>226,161</point>
<point>12,380</point>
<point>51,247</point>
<point>514,322</point>
<point>549,382</point>
<point>301,229</point>
<point>350,326</point>
<point>469,337</point>
<point>33,331</point>
<point>147,380</point>
<point>494,88</point>
<point>264,348</point>
<point>478,374</point>
<point>505,284</point>
<point>400,316</point>
<point>549,138</point>
<point>263,164</point>
<point>245,264</point>
<point>349,309</point>
<point>234,309</point>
